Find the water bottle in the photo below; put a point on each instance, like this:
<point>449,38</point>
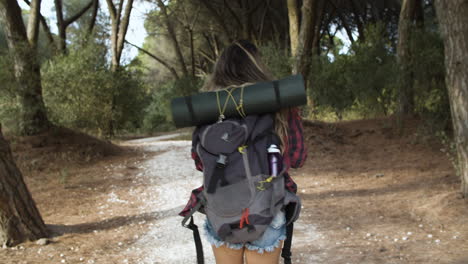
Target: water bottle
<point>274,160</point>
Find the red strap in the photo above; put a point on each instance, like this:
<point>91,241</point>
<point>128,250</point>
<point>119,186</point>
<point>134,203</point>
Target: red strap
<point>244,218</point>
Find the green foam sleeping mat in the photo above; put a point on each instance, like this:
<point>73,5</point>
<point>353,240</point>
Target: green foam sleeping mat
<point>259,98</point>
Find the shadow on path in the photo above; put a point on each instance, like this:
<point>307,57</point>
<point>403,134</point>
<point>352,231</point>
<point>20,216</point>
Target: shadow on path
<point>390,189</point>
<point>111,223</point>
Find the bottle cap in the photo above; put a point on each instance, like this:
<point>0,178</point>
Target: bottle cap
<point>273,149</point>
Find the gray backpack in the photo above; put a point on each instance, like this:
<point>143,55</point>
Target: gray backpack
<point>240,198</point>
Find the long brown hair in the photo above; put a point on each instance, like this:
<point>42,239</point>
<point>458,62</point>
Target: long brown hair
<point>240,64</point>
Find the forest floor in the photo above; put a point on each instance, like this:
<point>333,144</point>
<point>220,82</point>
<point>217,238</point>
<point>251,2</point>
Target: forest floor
<point>370,195</point>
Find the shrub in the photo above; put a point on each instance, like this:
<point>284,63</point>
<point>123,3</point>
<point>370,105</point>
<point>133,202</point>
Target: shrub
<point>158,115</point>
<point>81,92</point>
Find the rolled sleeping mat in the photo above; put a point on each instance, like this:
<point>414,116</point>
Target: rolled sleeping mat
<point>258,98</point>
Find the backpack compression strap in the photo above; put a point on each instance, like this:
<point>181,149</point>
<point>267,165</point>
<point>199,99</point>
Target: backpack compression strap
<point>286,252</point>
<point>196,234</point>
<point>198,243</point>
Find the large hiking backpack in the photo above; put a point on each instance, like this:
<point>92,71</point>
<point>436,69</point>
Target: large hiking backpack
<point>241,198</point>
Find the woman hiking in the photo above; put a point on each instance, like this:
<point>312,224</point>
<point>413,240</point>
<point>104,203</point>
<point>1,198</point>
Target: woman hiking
<point>240,64</point>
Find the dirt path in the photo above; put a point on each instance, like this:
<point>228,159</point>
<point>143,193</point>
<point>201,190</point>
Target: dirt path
<point>171,177</point>
<point>369,195</point>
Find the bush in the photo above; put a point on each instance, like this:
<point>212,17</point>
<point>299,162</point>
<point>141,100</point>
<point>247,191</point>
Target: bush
<point>81,92</point>
<point>9,108</point>
<point>361,81</point>
<point>277,60</point>
<point>158,115</point>
<point>431,95</point>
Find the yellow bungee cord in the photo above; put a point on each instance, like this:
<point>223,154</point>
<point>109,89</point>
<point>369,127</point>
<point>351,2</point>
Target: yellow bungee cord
<point>239,107</point>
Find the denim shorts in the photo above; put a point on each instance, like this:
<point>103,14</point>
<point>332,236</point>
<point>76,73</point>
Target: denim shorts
<point>274,234</point>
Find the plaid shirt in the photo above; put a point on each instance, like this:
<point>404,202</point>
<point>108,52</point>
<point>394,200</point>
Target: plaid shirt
<point>295,158</point>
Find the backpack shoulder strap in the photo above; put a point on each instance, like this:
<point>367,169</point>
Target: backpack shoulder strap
<point>198,242</point>
<point>196,234</point>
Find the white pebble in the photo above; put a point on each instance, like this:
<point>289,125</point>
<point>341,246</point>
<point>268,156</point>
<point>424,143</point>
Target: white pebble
<point>409,233</point>
<point>429,236</point>
<point>405,238</point>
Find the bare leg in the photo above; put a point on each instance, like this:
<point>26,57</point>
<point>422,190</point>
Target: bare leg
<point>225,255</point>
<point>253,257</point>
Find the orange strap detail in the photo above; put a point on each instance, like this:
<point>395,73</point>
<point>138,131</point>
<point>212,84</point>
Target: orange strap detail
<point>244,218</point>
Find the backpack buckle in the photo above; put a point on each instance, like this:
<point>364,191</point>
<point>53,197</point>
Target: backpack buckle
<point>221,161</point>
<point>263,185</point>
<point>242,148</point>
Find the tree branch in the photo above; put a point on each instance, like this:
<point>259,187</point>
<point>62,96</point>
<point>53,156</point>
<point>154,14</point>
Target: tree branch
<point>173,37</point>
<point>93,18</point>
<point>158,59</point>
<point>218,17</point>
<point>233,14</point>
<point>72,19</point>
<point>112,11</point>
<point>124,25</point>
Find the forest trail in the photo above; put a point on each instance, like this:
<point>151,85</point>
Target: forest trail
<point>370,195</point>
<point>171,177</point>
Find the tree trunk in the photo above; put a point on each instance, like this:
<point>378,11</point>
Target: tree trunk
<point>219,18</point>
<point>454,27</point>
<point>115,17</point>
<point>27,71</point>
<point>357,19</point>
<point>62,23</point>
<point>123,28</point>
<point>319,11</point>
<point>173,38</point>
<point>306,37</point>
<point>92,23</point>
<point>33,23</point>
<point>45,27</point>
<point>405,86</point>
<point>158,59</point>
<point>19,218</point>
<point>293,14</point>
<point>118,33</point>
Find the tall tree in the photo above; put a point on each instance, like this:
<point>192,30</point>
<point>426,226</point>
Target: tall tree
<point>173,37</point>
<point>63,23</point>
<point>19,218</point>
<point>408,21</point>
<point>33,23</point>
<point>294,22</point>
<point>45,26</point>
<point>309,12</point>
<point>119,29</point>
<point>454,27</point>
<point>27,70</point>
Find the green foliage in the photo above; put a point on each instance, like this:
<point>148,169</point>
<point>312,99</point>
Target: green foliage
<point>431,95</point>
<point>361,81</point>
<point>158,113</point>
<point>81,92</point>
<point>277,60</point>
<point>9,108</point>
